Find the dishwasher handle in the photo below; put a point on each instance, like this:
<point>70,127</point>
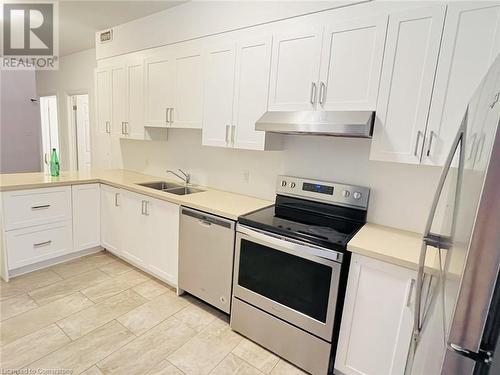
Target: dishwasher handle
<point>206,219</point>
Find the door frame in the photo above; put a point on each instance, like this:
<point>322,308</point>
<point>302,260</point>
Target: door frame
<point>72,146</point>
<point>39,102</point>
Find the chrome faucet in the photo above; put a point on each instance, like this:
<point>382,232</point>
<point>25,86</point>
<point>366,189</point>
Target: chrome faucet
<point>184,177</point>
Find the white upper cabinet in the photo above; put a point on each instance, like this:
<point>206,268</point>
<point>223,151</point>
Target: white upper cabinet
<point>295,70</point>
<point>118,99</point>
<point>377,319</point>
<point>410,58</point>
<point>471,41</point>
<point>133,126</point>
<point>219,87</point>
<point>159,90</point>
<point>187,111</point>
<point>103,100</point>
<point>351,63</point>
<point>253,62</point>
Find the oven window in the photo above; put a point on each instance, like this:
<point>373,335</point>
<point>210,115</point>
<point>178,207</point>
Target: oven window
<point>295,282</point>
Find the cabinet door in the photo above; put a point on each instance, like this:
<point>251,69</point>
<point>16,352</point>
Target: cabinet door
<point>218,103</point>
<point>111,230</point>
<point>251,92</point>
<point>351,63</point>
<point>103,100</point>
<point>86,216</point>
<point>377,319</point>
<point>134,127</point>
<point>188,108</point>
<point>410,59</point>
<point>134,224</point>
<point>118,99</point>
<point>295,70</point>
<point>471,41</point>
<point>161,239</point>
<point>159,89</point>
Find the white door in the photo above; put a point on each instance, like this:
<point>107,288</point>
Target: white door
<point>134,126</point>
<point>471,41</point>
<point>86,216</point>
<point>351,63</point>
<point>159,90</point>
<point>410,59</point>
<point>218,103</point>
<point>188,107</point>
<point>50,128</point>
<point>118,100</point>
<point>134,237</point>
<point>253,62</point>
<point>295,70</point>
<point>103,100</point>
<point>161,238</point>
<point>81,114</point>
<point>377,319</point>
<point>111,216</point>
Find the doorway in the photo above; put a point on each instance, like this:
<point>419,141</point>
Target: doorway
<point>50,129</point>
<point>81,125</point>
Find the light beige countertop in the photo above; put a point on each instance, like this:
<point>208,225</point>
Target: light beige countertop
<point>222,203</point>
<point>396,246</point>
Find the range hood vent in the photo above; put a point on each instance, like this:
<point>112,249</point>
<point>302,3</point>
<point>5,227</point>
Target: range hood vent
<point>357,124</point>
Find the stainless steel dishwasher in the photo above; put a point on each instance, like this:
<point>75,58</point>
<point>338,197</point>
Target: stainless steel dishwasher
<point>206,252</point>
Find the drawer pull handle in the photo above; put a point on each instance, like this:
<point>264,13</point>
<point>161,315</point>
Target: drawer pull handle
<point>44,243</point>
<point>42,207</point>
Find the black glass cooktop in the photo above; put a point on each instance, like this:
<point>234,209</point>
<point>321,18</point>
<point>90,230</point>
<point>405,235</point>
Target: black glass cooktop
<point>322,224</point>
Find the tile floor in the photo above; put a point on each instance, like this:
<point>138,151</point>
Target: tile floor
<point>99,315</point>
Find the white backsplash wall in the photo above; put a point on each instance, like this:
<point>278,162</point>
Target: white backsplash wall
<point>401,194</point>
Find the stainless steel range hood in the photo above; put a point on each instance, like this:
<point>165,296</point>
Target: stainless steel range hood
<point>358,124</point>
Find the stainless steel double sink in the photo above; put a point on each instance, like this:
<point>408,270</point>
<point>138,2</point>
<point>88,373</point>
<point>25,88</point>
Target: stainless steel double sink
<point>170,187</point>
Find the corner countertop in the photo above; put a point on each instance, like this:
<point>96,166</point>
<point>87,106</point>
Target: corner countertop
<point>218,202</point>
<point>398,247</point>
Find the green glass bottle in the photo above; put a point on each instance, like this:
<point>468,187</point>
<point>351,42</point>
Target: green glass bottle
<point>54,163</point>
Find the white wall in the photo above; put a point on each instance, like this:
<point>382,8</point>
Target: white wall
<point>20,131</point>
<point>75,76</point>
<point>400,194</point>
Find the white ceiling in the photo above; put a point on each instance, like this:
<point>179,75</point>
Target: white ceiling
<point>79,20</point>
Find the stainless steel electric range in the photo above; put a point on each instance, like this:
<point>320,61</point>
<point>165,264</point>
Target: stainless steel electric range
<point>290,269</point>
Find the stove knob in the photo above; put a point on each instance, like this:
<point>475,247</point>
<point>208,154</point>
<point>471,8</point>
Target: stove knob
<point>356,195</point>
<point>292,185</point>
<point>283,183</point>
<point>346,193</point>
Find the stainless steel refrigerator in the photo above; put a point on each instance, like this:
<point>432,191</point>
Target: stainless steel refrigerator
<point>457,313</point>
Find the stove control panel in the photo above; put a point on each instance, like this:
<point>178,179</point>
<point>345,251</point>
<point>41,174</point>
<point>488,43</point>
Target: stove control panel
<point>328,192</point>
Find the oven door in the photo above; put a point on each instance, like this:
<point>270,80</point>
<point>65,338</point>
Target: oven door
<point>288,279</point>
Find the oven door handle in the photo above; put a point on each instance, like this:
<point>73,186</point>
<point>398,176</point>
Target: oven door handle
<point>290,244</point>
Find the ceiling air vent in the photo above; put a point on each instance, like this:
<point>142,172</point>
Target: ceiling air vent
<point>106,36</point>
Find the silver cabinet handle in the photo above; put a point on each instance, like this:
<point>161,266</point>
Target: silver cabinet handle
<point>322,93</point>
<point>123,128</point>
<point>44,243</point>
<point>116,200</point>
<point>108,127</point>
<point>142,207</point>
<point>41,207</point>
<point>166,115</point>
<point>126,127</point>
<point>233,131</point>
<point>432,135</point>
<point>204,223</point>
<point>227,133</point>
<point>171,116</point>
<point>145,206</point>
<point>419,134</point>
<point>473,145</point>
<point>313,93</point>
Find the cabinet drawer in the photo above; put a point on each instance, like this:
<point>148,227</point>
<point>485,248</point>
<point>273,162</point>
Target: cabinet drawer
<point>25,208</point>
<point>35,244</point>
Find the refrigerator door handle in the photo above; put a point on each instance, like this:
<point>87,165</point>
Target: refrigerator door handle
<point>485,356</point>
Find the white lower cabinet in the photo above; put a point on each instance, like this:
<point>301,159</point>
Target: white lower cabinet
<point>110,219</point>
<point>142,230</point>
<point>377,319</point>
<point>86,216</point>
